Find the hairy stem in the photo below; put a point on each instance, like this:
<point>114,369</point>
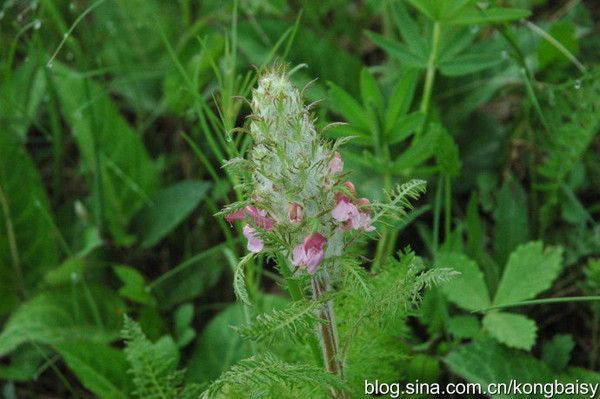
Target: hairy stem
<point>328,335</point>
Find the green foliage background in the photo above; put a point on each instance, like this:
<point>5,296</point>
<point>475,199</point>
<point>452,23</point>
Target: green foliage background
<point>116,117</point>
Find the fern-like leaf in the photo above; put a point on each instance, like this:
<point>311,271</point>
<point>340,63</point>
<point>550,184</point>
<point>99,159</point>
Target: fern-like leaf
<point>399,199</point>
<point>239,280</point>
<point>153,365</point>
<point>296,321</point>
<point>263,371</point>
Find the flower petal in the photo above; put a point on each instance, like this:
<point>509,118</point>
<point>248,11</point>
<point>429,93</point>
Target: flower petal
<point>255,243</point>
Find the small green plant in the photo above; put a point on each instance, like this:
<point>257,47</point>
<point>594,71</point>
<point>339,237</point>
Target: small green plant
<point>300,209</point>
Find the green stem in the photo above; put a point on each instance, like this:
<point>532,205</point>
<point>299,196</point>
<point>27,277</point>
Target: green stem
<point>296,293</point>
<point>542,302</point>
<point>447,207</point>
<point>429,77</point>
<point>328,334</point>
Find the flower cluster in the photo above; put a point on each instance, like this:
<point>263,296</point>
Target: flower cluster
<point>300,201</point>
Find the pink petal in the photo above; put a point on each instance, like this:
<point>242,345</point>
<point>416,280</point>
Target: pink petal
<point>314,241</point>
<point>255,243</point>
<point>336,165</point>
<point>314,258</point>
<point>344,210</point>
<point>298,256</point>
<point>237,215</point>
<point>260,218</point>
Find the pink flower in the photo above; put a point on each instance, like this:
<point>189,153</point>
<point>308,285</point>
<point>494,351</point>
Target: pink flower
<point>310,253</point>
<point>353,218</point>
<point>344,210</point>
<point>336,165</point>
<point>255,243</point>
<point>260,218</point>
<point>237,215</point>
<point>295,213</point>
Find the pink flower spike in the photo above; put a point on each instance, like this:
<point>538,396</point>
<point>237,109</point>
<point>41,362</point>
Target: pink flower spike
<point>310,253</point>
<point>255,243</point>
<point>237,215</point>
<point>260,218</point>
<point>295,213</point>
<point>336,165</point>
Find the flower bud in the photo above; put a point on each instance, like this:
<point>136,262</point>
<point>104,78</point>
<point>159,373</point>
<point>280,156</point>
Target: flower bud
<point>336,165</point>
<point>295,213</point>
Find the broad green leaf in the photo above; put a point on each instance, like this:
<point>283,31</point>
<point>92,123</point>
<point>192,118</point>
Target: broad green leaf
<point>447,155</point>
<point>100,368</point>
<point>183,318</point>
<point>70,270</point>
<point>405,126</point>
<point>512,220</point>
<point>218,347</point>
<point>514,330</point>
<point>167,209</point>
<point>416,154</point>
<point>466,64</point>
<point>398,51</point>
<point>463,327</point>
<point>118,169</point>
<point>563,32</point>
<point>369,90</point>
<point>486,362</point>
<point>401,98</point>
<point>28,246</point>
<point>343,103</point>
<point>557,351</point>
<point>134,286</point>
<point>21,94</point>
<point>488,16</point>
<point>468,290</point>
<point>190,278</point>
<point>63,316</point>
<point>530,270</point>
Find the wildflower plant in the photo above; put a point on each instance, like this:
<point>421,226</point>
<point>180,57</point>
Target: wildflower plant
<point>301,209</point>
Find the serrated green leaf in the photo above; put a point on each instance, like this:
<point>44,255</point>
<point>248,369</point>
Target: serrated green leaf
<point>167,209</point>
<point>463,327</point>
<point>468,290</point>
<point>488,16</point>
<point>557,351</point>
<point>514,330</point>
<point>398,50</point>
<point>530,270</point>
